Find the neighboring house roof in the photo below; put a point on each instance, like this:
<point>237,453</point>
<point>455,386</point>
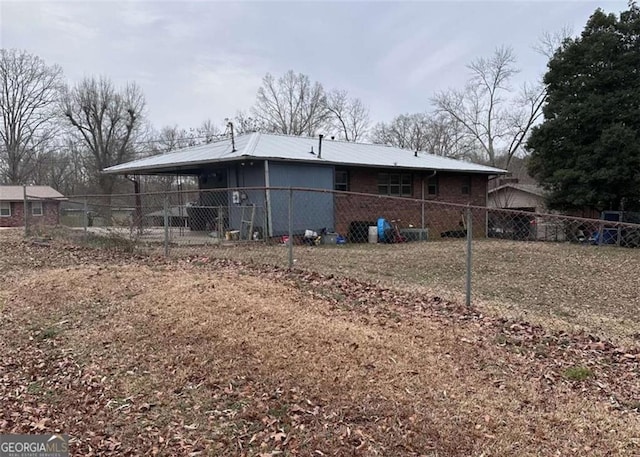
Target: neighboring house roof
<point>528,188</point>
<point>298,149</point>
<point>16,193</point>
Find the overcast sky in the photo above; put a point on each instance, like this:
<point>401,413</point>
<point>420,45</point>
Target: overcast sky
<point>205,59</point>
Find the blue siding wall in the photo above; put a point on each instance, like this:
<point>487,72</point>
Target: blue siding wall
<point>311,210</point>
<point>251,174</point>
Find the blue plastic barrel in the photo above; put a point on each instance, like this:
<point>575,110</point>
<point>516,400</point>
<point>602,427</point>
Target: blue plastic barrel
<point>383,228</point>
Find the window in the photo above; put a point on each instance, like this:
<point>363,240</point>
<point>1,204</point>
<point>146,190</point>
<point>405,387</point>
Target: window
<point>432,185</point>
<point>36,208</point>
<point>341,180</point>
<point>466,185</point>
<point>398,184</point>
<point>5,209</point>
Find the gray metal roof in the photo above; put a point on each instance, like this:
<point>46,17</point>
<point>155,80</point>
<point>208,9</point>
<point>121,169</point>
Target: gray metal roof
<point>16,193</point>
<point>296,148</point>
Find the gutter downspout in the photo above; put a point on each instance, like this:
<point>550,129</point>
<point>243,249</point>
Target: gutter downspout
<point>267,196</point>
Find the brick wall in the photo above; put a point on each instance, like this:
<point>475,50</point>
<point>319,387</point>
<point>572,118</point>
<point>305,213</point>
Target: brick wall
<point>50,215</point>
<point>436,217</point>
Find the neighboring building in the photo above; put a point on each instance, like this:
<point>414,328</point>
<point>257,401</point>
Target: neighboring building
<point>268,161</point>
<point>43,206</point>
<point>177,217</point>
<point>510,194</point>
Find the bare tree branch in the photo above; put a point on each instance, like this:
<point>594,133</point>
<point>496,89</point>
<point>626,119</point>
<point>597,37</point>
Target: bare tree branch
<point>347,115</point>
<point>290,105</point>
<point>29,90</point>
<point>106,121</point>
<point>489,111</point>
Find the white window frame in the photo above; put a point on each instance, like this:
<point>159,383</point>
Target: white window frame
<point>4,206</point>
<point>34,205</point>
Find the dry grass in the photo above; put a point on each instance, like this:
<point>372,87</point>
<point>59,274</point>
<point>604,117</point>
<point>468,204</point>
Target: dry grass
<point>559,285</point>
<point>137,356</point>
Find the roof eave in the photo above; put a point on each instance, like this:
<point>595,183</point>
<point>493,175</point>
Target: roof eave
<point>185,165</point>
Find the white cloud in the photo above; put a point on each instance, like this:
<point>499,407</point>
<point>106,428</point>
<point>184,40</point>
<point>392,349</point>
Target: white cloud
<point>136,14</point>
<point>227,83</point>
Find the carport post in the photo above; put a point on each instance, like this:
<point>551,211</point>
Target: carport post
<point>290,241</point>
<point>166,225</point>
<point>469,247</point>
<point>25,207</point>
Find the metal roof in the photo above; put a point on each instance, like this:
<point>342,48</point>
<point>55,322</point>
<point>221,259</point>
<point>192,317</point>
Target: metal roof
<point>16,193</point>
<point>528,188</point>
<point>297,148</point>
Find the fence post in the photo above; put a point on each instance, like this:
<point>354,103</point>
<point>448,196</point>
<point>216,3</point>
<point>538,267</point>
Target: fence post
<point>290,246</point>
<point>165,212</point>
<point>469,249</point>
<point>85,218</point>
<point>25,207</point>
<point>601,233</point>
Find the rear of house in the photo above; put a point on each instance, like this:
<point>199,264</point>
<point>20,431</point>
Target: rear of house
<point>43,206</point>
<point>255,170</point>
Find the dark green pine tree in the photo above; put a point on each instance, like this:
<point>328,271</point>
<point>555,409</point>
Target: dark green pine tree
<point>586,152</point>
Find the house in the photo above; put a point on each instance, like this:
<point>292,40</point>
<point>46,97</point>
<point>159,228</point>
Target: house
<point>43,205</point>
<point>511,194</point>
<point>260,167</point>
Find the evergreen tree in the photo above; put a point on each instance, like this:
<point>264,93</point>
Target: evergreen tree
<point>586,152</point>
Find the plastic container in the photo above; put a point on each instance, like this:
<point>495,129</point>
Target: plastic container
<point>373,234</point>
<point>384,228</point>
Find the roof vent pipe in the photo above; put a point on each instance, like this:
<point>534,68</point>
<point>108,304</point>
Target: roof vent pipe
<point>416,153</point>
<point>233,139</point>
<point>320,146</point>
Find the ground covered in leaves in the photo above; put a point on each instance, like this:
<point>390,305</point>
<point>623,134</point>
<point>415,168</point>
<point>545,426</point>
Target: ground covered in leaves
<point>136,355</point>
<point>558,285</point>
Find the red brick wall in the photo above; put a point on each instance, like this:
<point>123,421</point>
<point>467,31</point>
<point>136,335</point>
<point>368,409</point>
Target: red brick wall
<point>437,217</point>
<point>50,216</point>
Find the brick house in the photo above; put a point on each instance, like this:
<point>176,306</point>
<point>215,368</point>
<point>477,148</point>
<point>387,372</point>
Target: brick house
<point>43,206</point>
<point>260,167</point>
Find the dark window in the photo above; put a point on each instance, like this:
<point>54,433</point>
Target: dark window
<point>398,184</point>
<point>466,185</point>
<point>342,180</point>
<point>36,209</point>
<point>432,185</point>
<point>5,209</point>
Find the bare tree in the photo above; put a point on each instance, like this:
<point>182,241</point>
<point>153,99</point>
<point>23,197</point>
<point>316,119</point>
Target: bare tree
<point>208,132</point>
<point>446,137</point>
<point>492,115</point>
<point>549,42</point>
<point>106,121</point>
<point>244,123</point>
<point>291,105</point>
<point>168,139</point>
<point>431,133</point>
<point>347,115</point>
<point>29,90</point>
<point>407,131</point>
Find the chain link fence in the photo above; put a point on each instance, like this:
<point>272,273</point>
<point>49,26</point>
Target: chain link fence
<point>469,253</point>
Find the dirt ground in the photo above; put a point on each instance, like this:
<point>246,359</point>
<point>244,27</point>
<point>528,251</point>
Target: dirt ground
<point>558,285</point>
<point>133,355</point>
